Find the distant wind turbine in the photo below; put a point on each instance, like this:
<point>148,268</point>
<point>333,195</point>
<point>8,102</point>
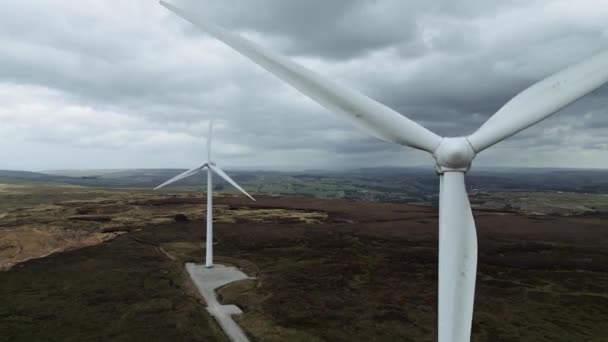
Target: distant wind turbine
<point>210,166</point>
<point>453,156</point>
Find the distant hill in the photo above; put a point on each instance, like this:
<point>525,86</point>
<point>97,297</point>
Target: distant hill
<point>136,178</point>
<point>12,177</point>
<point>389,184</point>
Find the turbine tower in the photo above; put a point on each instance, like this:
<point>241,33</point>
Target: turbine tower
<point>453,156</point>
<point>210,166</point>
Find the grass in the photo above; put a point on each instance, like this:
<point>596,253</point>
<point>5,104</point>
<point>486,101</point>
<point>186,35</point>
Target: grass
<point>553,203</point>
<point>342,272</point>
<point>20,196</point>
<point>348,284</point>
<point>123,290</point>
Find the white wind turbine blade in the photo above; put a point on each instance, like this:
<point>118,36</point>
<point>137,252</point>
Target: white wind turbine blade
<point>457,260</point>
<point>209,140</point>
<point>229,180</point>
<point>182,175</point>
<point>542,100</point>
<point>365,113</point>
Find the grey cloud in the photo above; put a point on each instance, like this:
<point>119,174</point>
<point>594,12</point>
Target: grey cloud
<point>446,66</point>
<point>343,29</point>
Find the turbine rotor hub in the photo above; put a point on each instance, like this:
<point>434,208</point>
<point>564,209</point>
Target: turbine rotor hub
<point>454,154</point>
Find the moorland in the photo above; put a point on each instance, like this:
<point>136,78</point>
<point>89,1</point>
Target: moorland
<point>107,263</point>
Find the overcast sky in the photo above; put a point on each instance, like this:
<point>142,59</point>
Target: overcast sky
<point>127,84</point>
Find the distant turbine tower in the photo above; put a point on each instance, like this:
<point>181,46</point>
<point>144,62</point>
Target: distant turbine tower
<point>210,166</point>
<point>453,156</point>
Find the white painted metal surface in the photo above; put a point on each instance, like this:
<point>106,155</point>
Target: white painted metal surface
<point>541,100</point>
<point>227,178</point>
<point>209,136</point>
<point>209,235</point>
<point>365,113</point>
<point>182,175</point>
<point>457,259</point>
<point>458,241</point>
<point>211,167</point>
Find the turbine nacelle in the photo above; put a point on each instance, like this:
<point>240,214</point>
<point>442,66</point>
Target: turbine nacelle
<point>454,154</point>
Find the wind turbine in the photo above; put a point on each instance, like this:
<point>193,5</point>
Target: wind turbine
<point>210,166</point>
<point>453,156</point>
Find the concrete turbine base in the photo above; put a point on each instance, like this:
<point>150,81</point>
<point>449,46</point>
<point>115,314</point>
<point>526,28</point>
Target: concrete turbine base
<point>207,280</point>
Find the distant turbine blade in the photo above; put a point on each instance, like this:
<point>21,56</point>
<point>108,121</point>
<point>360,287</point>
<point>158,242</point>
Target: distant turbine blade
<point>209,140</point>
<point>229,180</point>
<point>542,100</point>
<point>365,113</point>
<point>182,175</point>
<point>457,260</point>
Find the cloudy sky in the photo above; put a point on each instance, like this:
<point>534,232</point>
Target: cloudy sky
<point>127,84</point>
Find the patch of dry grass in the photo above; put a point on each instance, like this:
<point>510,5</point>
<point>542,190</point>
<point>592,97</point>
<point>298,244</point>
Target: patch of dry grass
<point>36,221</point>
